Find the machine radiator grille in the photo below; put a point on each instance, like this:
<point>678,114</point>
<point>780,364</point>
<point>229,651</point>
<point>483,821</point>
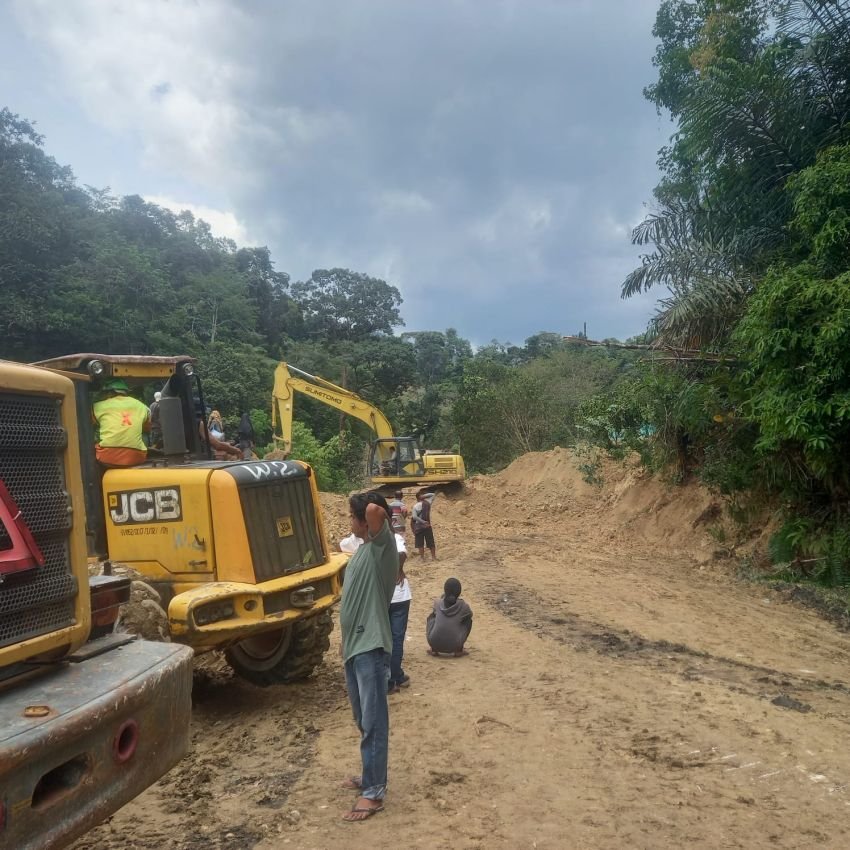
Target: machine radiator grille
<point>32,448</point>
<point>282,529</point>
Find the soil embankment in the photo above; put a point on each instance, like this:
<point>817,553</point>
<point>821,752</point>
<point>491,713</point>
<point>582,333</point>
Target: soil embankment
<point>621,691</point>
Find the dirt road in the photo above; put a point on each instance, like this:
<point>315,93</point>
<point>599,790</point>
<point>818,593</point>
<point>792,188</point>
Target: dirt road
<point>620,692</point>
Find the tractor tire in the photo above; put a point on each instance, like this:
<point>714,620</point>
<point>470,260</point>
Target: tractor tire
<point>282,656</point>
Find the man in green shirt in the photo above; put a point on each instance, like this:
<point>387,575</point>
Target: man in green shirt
<point>367,642</point>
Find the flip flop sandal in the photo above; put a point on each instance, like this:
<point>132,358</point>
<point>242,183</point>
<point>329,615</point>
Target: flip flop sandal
<point>360,810</point>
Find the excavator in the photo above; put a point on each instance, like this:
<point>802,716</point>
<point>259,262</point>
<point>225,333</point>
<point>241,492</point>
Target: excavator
<point>393,461</point>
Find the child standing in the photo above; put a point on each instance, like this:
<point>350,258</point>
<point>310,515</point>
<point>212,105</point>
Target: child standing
<point>450,622</point>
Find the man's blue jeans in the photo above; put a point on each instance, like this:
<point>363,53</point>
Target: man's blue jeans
<point>399,612</point>
<point>366,679</point>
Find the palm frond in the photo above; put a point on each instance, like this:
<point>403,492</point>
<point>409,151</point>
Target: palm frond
<point>752,123</point>
<point>702,313</point>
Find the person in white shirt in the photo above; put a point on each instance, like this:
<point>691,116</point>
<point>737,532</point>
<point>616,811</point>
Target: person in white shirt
<point>399,611</point>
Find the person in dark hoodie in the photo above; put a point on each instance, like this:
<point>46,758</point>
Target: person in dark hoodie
<point>246,436</point>
<point>449,623</point>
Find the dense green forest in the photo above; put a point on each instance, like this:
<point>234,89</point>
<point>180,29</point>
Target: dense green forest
<point>82,270</point>
<point>750,236</point>
<point>746,382</point>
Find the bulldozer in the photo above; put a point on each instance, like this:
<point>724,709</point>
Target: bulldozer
<point>393,461</point>
<point>236,550</point>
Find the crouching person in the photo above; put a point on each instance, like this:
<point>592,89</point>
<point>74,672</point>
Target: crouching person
<point>449,623</point>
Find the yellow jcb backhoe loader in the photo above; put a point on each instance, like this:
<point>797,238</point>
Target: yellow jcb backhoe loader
<point>236,549</point>
<point>393,461</point>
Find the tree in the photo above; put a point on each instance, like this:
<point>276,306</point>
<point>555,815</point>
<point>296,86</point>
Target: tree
<point>460,351</point>
<point>342,304</point>
<point>422,412</point>
<point>703,265</point>
<point>42,214</point>
<point>278,315</point>
<point>543,344</point>
<point>795,337</point>
<point>237,378</point>
<point>378,368</point>
<point>750,238</point>
<point>499,414</point>
<point>693,35</point>
<point>758,89</point>
<point>439,356</point>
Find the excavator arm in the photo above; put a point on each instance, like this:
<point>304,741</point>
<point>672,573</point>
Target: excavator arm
<point>288,380</point>
<point>395,461</point>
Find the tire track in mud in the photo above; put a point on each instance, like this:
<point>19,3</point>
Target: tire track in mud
<point>554,621</point>
<point>746,768</point>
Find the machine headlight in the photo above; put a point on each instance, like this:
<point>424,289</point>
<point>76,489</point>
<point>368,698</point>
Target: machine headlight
<point>96,368</point>
<point>213,612</point>
<point>187,369</point>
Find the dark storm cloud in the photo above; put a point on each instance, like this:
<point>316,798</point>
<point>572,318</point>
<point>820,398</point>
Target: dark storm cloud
<point>488,158</point>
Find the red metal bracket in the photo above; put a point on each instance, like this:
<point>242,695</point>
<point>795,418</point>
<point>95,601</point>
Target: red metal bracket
<point>24,553</point>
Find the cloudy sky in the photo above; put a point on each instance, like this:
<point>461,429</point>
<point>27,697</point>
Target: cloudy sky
<point>488,157</point>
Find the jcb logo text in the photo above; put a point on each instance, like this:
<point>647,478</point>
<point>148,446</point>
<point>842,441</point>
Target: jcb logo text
<point>137,506</point>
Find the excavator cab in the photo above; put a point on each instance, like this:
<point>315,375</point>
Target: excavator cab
<point>396,457</point>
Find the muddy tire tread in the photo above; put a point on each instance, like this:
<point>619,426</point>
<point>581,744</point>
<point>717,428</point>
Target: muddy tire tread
<point>310,641</point>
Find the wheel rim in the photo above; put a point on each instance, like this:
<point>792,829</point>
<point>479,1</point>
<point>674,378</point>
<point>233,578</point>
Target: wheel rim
<point>267,645</point>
